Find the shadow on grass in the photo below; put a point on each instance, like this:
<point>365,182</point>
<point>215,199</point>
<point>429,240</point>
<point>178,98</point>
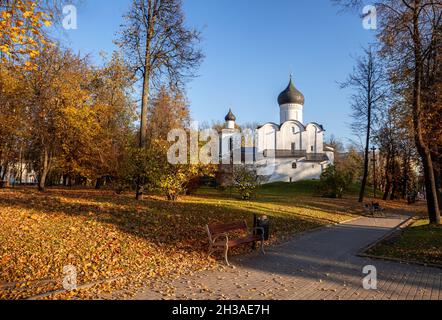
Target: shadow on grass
<point>174,224</point>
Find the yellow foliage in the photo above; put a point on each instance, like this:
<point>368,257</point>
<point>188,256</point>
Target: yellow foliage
<point>18,23</point>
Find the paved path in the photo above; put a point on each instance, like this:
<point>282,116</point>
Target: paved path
<point>318,265</point>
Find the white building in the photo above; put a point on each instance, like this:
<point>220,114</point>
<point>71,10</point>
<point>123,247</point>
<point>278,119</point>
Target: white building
<point>289,151</point>
<point>19,173</point>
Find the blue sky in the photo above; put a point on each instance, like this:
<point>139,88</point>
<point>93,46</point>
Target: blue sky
<point>251,46</point>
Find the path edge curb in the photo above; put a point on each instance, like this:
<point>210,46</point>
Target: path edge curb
<point>362,253</point>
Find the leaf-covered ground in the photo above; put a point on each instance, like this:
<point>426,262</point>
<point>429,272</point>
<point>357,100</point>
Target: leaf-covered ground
<point>118,244</point>
<point>421,242</point>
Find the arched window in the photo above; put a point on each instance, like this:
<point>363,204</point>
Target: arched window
<point>294,165</point>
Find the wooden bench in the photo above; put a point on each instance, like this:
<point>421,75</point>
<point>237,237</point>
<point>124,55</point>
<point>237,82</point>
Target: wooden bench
<point>373,208</point>
<point>219,236</point>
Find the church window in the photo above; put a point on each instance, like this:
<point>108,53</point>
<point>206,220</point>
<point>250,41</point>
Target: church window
<point>294,165</point>
<point>294,130</point>
<point>311,148</point>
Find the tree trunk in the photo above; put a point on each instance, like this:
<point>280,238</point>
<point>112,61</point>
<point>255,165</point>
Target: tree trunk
<point>366,156</point>
<point>388,179</point>
<point>405,174</point>
<point>146,91</point>
<point>140,189</point>
<point>20,172</point>
<point>99,183</point>
<point>438,176</point>
<point>422,148</point>
<point>144,110</point>
<point>3,173</point>
<point>394,177</point>
<point>44,170</point>
<point>439,193</point>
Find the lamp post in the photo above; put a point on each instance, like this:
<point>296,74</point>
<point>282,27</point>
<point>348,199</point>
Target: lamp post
<point>374,171</point>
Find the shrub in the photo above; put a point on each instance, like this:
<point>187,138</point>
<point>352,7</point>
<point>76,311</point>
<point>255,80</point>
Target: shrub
<point>334,182</point>
<point>246,181</point>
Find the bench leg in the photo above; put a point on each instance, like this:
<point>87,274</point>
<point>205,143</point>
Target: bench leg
<point>262,247</point>
<point>226,250</point>
<point>210,250</point>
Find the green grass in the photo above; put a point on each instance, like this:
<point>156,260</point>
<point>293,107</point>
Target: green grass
<point>284,191</point>
<point>307,188</point>
<point>299,188</point>
<point>421,242</point>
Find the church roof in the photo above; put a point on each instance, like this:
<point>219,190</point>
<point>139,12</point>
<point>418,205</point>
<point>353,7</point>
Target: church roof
<point>230,116</point>
<point>291,95</point>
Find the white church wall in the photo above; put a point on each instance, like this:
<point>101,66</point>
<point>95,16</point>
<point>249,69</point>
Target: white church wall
<point>267,137</point>
<point>230,124</point>
<point>284,171</point>
<point>225,144</point>
<point>290,132</point>
<point>320,142</point>
<point>314,139</point>
<point>291,111</point>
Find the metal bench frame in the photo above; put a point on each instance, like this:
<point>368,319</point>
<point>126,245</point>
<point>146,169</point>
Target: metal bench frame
<point>217,244</point>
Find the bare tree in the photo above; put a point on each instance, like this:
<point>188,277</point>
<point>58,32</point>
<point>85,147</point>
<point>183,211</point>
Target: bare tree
<point>368,81</point>
<point>159,47</point>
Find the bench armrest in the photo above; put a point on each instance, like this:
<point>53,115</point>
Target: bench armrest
<point>219,236</point>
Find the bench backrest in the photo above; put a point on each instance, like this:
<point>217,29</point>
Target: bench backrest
<point>217,228</point>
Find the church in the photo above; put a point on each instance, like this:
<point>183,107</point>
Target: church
<point>289,151</point>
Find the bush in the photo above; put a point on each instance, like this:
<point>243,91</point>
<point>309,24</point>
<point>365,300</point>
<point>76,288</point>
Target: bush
<point>246,181</point>
<point>334,182</point>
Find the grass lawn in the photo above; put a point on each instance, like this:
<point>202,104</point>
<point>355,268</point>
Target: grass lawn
<point>113,237</point>
<point>420,242</point>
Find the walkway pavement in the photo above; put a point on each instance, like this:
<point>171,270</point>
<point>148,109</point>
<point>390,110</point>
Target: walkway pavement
<point>314,266</point>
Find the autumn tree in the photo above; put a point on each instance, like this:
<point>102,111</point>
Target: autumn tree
<point>111,91</point>
<point>368,82</point>
<point>55,103</point>
<point>160,48</point>
<point>150,165</point>
<point>23,28</point>
<point>410,34</point>
<point>13,134</point>
<point>334,143</point>
<point>169,110</point>
<point>397,151</point>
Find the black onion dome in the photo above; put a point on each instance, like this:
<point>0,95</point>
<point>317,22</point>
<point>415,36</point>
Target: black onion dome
<point>230,116</point>
<point>291,95</point>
